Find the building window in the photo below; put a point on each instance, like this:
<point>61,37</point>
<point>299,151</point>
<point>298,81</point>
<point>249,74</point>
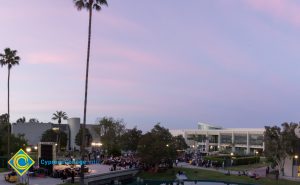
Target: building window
<point>240,139</point>
<point>256,140</point>
<point>213,139</point>
<point>226,139</point>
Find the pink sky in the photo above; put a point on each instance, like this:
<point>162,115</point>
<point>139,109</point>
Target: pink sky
<point>231,63</point>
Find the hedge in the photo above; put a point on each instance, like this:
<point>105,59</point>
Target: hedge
<point>246,160</point>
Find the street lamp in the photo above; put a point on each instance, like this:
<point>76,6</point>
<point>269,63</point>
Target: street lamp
<point>28,149</point>
<point>35,147</point>
<point>296,161</point>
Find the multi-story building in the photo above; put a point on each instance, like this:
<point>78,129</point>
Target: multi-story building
<point>209,138</point>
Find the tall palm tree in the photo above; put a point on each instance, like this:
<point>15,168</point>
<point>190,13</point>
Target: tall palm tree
<point>9,58</point>
<point>89,5</point>
<point>59,115</point>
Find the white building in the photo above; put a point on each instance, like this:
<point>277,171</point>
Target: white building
<point>33,131</point>
<point>211,138</point>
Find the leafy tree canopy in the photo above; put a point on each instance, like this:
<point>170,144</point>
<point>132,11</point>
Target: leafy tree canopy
<point>280,143</point>
<point>110,132</point>
<point>157,146</point>
<point>88,137</point>
<point>52,136</point>
<point>33,120</point>
<point>130,139</point>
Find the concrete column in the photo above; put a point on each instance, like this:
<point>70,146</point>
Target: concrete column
<point>233,145</point>
<point>219,141</point>
<point>248,144</point>
<point>206,143</point>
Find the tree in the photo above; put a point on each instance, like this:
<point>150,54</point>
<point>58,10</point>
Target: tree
<point>59,115</point>
<point>157,147</point>
<point>89,5</point>
<point>280,143</point>
<point>9,58</point>
<point>3,118</point>
<point>16,141</point>
<point>21,120</point>
<point>110,132</point>
<point>130,139</point>
<point>51,136</point>
<point>88,137</point>
<point>33,120</point>
<point>180,143</point>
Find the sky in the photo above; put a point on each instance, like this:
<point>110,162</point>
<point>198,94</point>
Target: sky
<point>230,63</point>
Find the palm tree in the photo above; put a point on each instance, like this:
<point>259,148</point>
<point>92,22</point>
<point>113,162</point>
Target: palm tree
<point>89,5</point>
<point>9,58</point>
<point>59,115</point>
<point>21,120</point>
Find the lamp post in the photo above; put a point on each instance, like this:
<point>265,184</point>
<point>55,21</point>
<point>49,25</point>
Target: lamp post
<point>28,150</point>
<point>56,130</point>
<point>296,164</point>
<point>256,154</point>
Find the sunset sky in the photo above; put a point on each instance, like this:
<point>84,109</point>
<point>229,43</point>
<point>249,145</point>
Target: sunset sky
<point>231,63</point>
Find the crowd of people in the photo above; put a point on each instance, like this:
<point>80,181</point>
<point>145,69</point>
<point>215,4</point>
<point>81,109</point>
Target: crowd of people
<point>122,162</point>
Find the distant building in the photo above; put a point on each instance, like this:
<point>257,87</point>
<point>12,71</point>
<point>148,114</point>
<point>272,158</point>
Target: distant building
<point>210,138</point>
<point>33,131</point>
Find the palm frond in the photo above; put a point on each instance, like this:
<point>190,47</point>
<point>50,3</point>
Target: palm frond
<point>80,4</point>
<point>102,2</point>
<point>97,7</point>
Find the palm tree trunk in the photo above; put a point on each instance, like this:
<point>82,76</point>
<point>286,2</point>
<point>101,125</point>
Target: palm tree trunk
<point>8,119</point>
<point>85,95</point>
<point>58,139</point>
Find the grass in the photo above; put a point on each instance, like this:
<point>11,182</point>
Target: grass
<point>197,174</point>
<point>247,167</point>
<point>3,170</point>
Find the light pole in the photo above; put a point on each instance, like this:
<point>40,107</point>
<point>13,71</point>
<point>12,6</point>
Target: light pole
<point>231,161</point>
<point>296,164</point>
<point>56,130</point>
<point>28,150</point>
<point>256,155</point>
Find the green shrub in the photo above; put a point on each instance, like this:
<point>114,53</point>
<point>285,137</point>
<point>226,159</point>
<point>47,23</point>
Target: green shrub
<point>215,159</point>
<point>245,160</point>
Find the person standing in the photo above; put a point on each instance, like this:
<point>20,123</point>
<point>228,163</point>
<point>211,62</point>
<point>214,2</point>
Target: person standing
<point>277,174</point>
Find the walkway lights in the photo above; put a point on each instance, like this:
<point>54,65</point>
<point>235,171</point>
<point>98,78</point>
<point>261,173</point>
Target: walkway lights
<point>96,144</point>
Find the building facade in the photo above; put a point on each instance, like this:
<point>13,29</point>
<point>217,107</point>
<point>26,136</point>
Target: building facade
<point>210,138</point>
<point>33,131</point>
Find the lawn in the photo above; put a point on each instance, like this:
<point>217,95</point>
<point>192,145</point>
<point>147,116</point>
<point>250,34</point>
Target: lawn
<point>247,167</point>
<point>197,174</point>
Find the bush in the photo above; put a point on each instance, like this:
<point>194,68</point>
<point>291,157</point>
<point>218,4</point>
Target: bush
<point>217,161</point>
<point>246,160</point>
